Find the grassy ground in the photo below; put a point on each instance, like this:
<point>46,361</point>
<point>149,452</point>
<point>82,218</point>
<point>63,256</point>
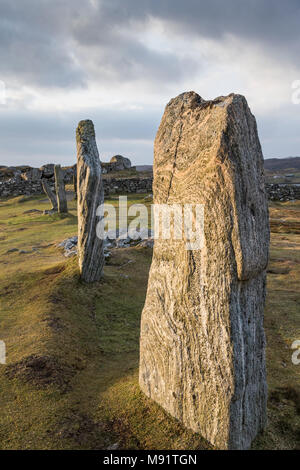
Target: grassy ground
<point>72,349</point>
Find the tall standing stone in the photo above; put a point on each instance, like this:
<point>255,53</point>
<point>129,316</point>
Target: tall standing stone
<point>89,196</point>
<point>202,348</point>
<point>48,191</point>
<point>60,190</point>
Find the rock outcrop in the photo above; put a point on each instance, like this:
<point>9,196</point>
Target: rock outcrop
<point>47,170</point>
<point>89,197</point>
<point>121,163</point>
<point>202,349</point>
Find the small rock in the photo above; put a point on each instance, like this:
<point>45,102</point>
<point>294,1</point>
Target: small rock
<point>114,446</point>
<point>124,276</point>
<point>70,253</point>
<point>31,211</point>
<point>147,243</point>
<point>122,242</point>
<point>49,212</point>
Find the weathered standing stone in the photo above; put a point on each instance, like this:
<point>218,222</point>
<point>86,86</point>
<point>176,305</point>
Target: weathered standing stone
<point>60,190</point>
<point>202,351</point>
<point>48,191</point>
<point>89,197</point>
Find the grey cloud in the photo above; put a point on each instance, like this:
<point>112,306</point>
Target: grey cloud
<point>274,25</point>
<point>138,124</point>
<point>63,44</point>
<point>279,132</point>
<point>47,44</point>
<point>35,44</point>
<point>130,61</point>
<point>35,137</point>
<point>276,21</point>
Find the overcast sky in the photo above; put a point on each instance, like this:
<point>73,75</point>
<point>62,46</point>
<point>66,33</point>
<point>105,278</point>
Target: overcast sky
<point>119,62</point>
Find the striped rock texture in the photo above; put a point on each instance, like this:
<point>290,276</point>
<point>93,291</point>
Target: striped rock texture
<point>89,197</point>
<point>202,346</point>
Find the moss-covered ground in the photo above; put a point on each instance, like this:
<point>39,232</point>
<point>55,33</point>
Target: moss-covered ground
<point>71,378</point>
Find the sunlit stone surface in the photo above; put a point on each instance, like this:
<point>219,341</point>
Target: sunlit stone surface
<point>202,350</point>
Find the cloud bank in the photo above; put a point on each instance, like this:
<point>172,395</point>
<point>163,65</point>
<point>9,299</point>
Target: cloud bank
<point>119,62</point>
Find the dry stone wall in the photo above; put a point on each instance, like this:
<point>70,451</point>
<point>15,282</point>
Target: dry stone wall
<point>24,185</point>
<point>17,186</point>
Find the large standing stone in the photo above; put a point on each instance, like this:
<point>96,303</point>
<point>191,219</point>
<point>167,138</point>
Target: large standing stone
<point>202,351</point>
<point>60,190</point>
<point>89,197</point>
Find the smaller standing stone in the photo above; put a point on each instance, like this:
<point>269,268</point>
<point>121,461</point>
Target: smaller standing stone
<point>89,197</point>
<point>60,190</point>
<point>48,191</point>
<point>75,181</point>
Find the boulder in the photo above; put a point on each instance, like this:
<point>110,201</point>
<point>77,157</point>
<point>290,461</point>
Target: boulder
<point>47,170</point>
<point>202,346</point>
<point>122,163</point>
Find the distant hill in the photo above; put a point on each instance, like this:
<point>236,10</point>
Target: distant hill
<point>277,164</point>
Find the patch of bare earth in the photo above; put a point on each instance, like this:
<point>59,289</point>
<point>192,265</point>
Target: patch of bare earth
<point>42,371</point>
